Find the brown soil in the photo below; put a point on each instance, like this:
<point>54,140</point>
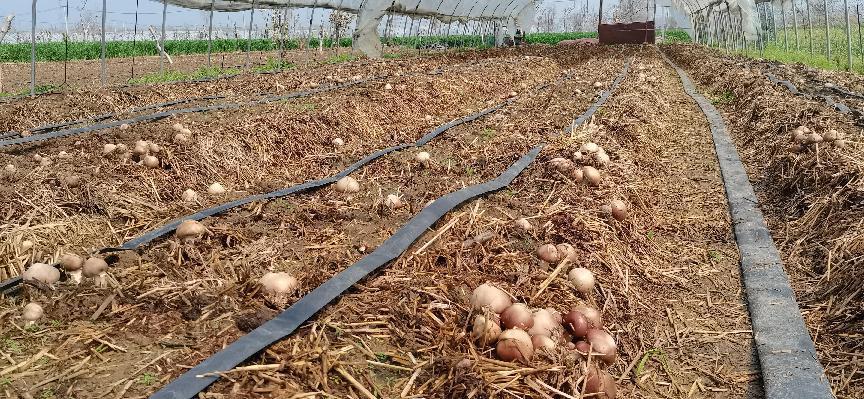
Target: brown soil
<point>668,278</point>
<point>811,199</point>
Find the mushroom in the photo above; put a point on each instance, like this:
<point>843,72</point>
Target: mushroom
<point>43,273</point>
<point>32,313</point>
<point>72,264</point>
<point>393,201</point>
<point>189,195</point>
<point>216,189</point>
<point>190,229</point>
<point>338,142</point>
<point>96,268</point>
<point>423,158</point>
<point>278,287</point>
<point>348,185</point>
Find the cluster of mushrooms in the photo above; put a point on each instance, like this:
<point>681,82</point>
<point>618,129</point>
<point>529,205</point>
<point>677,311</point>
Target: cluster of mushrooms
<point>591,157</point>
<point>350,185</point>
<point>584,165</point>
<point>46,275</point>
<point>802,137</point>
<point>520,333</point>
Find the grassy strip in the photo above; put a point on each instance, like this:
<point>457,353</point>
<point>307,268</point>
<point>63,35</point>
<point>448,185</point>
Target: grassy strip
<point>39,90</point>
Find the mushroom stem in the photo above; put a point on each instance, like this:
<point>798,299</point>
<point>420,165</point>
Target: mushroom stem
<point>101,280</point>
<point>76,275</point>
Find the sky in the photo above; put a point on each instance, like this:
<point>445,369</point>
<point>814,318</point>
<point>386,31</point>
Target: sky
<point>121,14</point>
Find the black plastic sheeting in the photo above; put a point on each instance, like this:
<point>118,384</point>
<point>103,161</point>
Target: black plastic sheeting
<point>194,381</point>
<point>790,367</point>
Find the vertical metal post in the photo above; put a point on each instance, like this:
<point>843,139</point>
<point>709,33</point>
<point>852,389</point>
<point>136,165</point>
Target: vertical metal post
<point>600,15</point>
<point>134,39</point>
<point>103,74</point>
<point>860,48</point>
<point>785,36</point>
<point>809,26</point>
<point>162,40</point>
<point>795,24</point>
<point>210,35</point>
<point>848,36</point>
<point>760,36</point>
<point>33,51</point>
<point>827,34</point>
<point>249,39</point>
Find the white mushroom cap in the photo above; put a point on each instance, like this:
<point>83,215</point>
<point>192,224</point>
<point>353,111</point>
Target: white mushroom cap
<point>393,201</point>
<point>422,157</point>
<point>216,189</point>
<point>32,313</point>
<point>279,283</point>
<point>347,184</point>
<point>190,229</point>
<point>42,273</point>
<point>189,195</point>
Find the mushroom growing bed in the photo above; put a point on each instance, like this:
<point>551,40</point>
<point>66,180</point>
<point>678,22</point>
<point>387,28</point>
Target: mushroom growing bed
<point>649,221</point>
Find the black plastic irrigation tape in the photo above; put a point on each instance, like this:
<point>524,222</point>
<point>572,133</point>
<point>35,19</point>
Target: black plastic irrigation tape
<point>170,226</point>
<point>195,380</point>
<point>7,286</point>
<point>102,117</point>
<point>837,106</point>
<point>790,368</point>
<point>165,114</point>
<point>201,376</point>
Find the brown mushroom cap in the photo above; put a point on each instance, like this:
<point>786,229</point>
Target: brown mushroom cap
<point>94,267</point>
<point>71,262</point>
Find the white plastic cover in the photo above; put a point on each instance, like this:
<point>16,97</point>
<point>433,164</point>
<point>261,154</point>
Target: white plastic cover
<point>369,12</point>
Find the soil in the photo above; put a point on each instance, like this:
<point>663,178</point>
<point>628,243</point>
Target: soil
<point>668,284</point>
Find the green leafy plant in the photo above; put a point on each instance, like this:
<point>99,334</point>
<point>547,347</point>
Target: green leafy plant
<point>147,379</point>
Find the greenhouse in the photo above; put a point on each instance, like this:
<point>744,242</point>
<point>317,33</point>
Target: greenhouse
<point>431,199</point>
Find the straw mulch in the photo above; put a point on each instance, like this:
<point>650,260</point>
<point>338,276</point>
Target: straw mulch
<point>813,200</point>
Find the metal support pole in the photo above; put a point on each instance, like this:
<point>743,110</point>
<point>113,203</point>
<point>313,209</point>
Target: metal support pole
<point>210,35</point>
<point>33,51</point>
<point>135,39</point>
<point>785,36</point>
<point>827,34</point>
<point>848,36</point>
<point>600,15</point>
<point>249,39</point>
<point>809,26</point>
<point>795,24</point>
<point>860,48</point>
<point>162,40</point>
<point>103,74</point>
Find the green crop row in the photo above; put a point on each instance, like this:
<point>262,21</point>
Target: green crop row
<point>59,51</point>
